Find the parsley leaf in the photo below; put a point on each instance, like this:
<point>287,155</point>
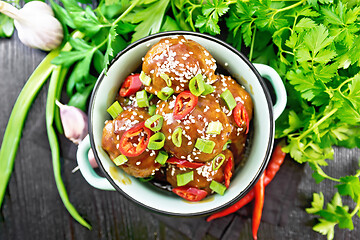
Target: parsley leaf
<point>317,204</point>
<point>84,20</point>
<point>212,10</point>
<point>350,186</point>
<point>149,18</point>
<point>109,49</point>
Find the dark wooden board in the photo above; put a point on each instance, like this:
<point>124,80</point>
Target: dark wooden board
<point>32,208</point>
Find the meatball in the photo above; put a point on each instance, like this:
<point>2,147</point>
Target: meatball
<point>202,175</point>
<point>143,165</point>
<point>180,59</point>
<point>240,95</point>
<point>194,126</point>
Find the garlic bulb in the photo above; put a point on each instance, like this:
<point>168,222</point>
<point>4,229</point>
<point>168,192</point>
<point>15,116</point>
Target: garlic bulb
<point>36,25</point>
<point>74,122</point>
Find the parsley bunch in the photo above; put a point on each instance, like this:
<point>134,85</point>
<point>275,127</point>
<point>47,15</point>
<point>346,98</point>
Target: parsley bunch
<point>314,47</point>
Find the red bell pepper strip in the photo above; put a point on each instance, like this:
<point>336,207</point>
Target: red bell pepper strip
<point>228,172</point>
<point>184,104</point>
<point>190,193</point>
<point>131,85</point>
<point>258,205</point>
<point>135,140</point>
<point>241,116</point>
<point>274,165</point>
<point>181,163</point>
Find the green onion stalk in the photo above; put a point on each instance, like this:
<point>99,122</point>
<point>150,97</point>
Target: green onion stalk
<point>17,119</point>
<point>18,116</point>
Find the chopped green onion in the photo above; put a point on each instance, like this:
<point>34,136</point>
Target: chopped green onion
<point>217,187</point>
<point>208,89</point>
<point>226,145</point>
<point>214,128</point>
<point>142,99</point>
<point>166,79</point>
<point>197,85</point>
<point>184,178</point>
<point>151,96</point>
<point>146,80</point>
<point>176,137</point>
<point>147,179</point>
<point>162,157</point>
<point>115,109</point>
<point>152,121</point>
<point>205,145</point>
<point>120,160</point>
<point>229,99</point>
<point>165,93</point>
<point>156,141</point>
<point>221,163</point>
<point>152,109</point>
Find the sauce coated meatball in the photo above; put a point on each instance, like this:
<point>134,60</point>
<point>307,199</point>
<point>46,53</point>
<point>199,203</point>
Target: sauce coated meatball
<point>240,95</point>
<point>180,59</point>
<point>202,175</point>
<point>143,165</point>
<point>194,126</point>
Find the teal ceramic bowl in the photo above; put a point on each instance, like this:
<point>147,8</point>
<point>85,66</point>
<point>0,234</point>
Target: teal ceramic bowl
<point>149,196</point>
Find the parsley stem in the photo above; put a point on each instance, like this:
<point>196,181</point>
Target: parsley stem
<point>343,83</point>
<point>126,12</point>
<point>323,174</point>
<point>318,123</point>
<point>288,7</point>
<point>252,45</point>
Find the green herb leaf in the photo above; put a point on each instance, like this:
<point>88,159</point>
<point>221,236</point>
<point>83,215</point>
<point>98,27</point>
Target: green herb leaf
<point>212,10</point>
<point>317,204</point>
<point>350,186</point>
<point>148,19</point>
<point>84,20</point>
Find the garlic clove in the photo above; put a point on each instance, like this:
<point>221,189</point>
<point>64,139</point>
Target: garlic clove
<point>36,25</point>
<point>92,160</point>
<point>74,122</point>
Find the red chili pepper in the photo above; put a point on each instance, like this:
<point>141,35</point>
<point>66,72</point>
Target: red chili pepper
<point>131,85</point>
<point>277,159</point>
<point>184,104</point>
<point>181,163</point>
<point>273,167</point>
<point>135,140</point>
<point>258,205</point>
<point>228,172</point>
<point>241,116</point>
<point>239,204</point>
<point>190,193</point>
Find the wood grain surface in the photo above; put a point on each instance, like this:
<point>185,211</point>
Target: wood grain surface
<point>32,208</point>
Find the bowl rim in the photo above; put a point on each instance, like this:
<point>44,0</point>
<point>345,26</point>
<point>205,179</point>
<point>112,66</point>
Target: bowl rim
<point>267,97</point>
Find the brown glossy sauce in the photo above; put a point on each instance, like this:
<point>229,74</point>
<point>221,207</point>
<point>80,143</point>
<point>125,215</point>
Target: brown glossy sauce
<point>119,176</point>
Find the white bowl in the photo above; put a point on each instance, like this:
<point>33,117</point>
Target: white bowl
<point>146,194</point>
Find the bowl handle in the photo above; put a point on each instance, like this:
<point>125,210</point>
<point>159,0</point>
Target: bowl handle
<point>87,171</point>
<point>279,88</point>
